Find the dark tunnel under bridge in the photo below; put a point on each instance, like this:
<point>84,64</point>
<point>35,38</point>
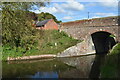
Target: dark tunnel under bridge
<point>103,41</point>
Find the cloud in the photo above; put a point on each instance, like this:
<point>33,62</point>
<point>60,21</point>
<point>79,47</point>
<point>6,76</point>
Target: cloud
<point>70,5</point>
<point>73,5</point>
<point>59,8</point>
<point>105,14</point>
<point>67,17</point>
<point>49,9</point>
<point>104,3</point>
<point>96,17</point>
<point>54,9</point>
<point>109,3</point>
<point>91,4</point>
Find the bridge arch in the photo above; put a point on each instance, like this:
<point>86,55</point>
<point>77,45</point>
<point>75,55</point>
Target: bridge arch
<point>103,41</point>
<point>111,32</point>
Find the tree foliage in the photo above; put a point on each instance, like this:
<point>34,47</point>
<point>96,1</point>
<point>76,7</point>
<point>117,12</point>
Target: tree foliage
<point>32,15</point>
<point>16,26</point>
<point>43,16</point>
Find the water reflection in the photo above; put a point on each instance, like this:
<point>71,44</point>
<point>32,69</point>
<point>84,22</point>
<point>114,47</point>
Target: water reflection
<point>43,75</point>
<point>82,65</point>
<point>75,67</point>
<point>118,63</point>
<point>34,69</point>
<point>95,69</point>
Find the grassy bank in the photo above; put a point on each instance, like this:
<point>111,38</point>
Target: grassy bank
<point>52,42</point>
<point>111,67</point>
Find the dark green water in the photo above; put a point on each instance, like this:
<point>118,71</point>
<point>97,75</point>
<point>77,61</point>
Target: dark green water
<point>75,67</point>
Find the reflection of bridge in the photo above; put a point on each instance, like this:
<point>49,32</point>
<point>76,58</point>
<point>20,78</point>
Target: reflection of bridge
<point>82,65</point>
<point>102,31</point>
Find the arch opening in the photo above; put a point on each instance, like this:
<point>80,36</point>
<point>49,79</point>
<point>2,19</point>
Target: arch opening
<point>103,41</point>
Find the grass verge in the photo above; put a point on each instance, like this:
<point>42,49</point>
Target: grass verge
<point>52,42</point>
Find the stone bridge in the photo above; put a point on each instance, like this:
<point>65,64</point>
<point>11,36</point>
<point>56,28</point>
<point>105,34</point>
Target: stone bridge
<point>83,33</point>
<point>98,34</point>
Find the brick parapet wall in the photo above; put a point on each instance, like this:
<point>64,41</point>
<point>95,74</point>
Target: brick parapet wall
<point>108,21</point>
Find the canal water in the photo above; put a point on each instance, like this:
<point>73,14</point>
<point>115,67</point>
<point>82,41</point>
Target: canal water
<point>74,67</point>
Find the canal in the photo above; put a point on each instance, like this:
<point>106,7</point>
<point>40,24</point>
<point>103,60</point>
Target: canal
<point>74,67</point>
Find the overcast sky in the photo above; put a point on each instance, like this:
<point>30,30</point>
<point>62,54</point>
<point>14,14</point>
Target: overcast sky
<point>71,10</point>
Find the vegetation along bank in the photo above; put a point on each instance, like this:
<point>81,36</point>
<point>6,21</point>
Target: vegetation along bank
<point>19,36</point>
<point>112,64</point>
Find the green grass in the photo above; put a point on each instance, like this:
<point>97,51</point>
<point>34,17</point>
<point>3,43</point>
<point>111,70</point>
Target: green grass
<point>52,42</point>
<point>111,67</point>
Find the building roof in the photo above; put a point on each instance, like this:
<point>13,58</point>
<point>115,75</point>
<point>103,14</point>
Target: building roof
<point>41,23</point>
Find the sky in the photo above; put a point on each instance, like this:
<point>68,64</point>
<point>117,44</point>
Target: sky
<point>71,10</point>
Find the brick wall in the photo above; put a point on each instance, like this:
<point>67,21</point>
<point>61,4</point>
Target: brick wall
<point>108,21</point>
<point>51,24</point>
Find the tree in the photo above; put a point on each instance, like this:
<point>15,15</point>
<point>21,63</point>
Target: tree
<point>43,16</point>
<point>16,26</point>
<point>32,15</point>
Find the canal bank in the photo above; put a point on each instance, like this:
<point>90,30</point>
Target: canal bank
<point>73,51</point>
<point>43,57</point>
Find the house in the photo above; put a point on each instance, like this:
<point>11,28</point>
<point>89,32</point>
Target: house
<point>46,24</point>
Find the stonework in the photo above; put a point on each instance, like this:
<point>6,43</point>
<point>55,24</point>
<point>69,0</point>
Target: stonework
<point>83,32</point>
<point>83,29</point>
<point>31,57</point>
<point>78,50</point>
<point>96,22</point>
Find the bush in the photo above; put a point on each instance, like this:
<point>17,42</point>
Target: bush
<point>116,49</point>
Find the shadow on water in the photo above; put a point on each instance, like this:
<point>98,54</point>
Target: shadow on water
<point>96,65</point>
